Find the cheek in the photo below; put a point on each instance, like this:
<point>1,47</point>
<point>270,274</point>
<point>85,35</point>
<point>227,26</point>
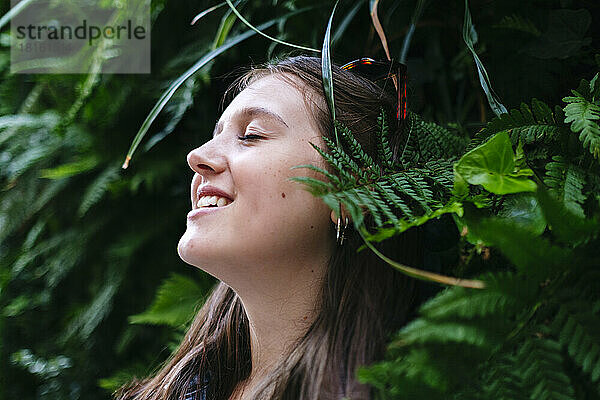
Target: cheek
<point>281,202</point>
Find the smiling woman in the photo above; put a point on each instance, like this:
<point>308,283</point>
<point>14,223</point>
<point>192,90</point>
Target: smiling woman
<point>295,313</point>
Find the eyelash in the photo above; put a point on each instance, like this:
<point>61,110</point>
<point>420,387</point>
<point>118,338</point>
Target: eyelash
<point>249,137</point>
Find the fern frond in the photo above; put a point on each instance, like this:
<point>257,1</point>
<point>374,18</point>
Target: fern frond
<point>540,364</point>
<point>334,160</point>
<point>332,178</point>
<point>583,114</point>
<point>430,141</point>
<point>175,303</point>
<point>315,186</point>
<point>505,294</point>
<point>383,144</point>
<point>502,382</point>
<point>534,124</point>
<point>369,170</point>
<point>566,181</point>
<point>456,332</point>
<point>388,198</point>
<point>97,189</point>
<point>579,334</point>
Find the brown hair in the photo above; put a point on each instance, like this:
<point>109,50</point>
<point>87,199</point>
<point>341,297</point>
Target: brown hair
<point>363,300</point>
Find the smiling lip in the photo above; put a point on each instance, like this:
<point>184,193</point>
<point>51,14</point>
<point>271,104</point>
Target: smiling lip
<point>203,210</point>
<point>207,190</point>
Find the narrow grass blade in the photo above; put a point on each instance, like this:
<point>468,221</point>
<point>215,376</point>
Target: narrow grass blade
<point>411,30</point>
<point>179,81</point>
<point>224,28</point>
<point>206,12</point>
<point>14,12</point>
<point>378,27</point>
<point>166,96</point>
<point>339,32</point>
<point>470,38</point>
<point>326,71</point>
<point>259,30</point>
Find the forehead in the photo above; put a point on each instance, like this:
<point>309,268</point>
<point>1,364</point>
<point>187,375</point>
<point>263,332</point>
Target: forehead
<point>274,94</point>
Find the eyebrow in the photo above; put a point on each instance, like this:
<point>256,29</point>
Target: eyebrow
<point>252,112</point>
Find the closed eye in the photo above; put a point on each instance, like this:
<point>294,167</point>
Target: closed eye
<point>249,137</point>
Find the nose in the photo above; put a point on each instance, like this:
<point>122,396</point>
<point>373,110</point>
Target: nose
<point>206,159</point>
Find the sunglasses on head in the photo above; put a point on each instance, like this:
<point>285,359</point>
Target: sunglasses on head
<point>378,70</point>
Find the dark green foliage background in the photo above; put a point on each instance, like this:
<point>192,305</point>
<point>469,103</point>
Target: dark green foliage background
<point>85,245</point>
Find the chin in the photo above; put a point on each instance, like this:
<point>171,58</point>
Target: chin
<point>186,248</point>
<point>198,250</point>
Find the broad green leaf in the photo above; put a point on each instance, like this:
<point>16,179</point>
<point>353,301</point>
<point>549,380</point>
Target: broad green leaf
<point>523,209</point>
<point>492,165</point>
<point>532,255</point>
<point>566,226</point>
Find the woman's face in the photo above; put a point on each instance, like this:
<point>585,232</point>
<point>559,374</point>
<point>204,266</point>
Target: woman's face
<point>272,222</point>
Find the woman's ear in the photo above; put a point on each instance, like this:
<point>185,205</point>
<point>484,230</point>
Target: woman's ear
<point>333,218</point>
<point>345,214</point>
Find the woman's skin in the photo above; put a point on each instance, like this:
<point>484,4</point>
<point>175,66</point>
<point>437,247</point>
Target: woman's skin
<point>271,245</point>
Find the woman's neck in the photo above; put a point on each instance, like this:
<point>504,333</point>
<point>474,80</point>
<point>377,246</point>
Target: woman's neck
<point>279,313</point>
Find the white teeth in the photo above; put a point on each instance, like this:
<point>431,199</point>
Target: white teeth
<point>206,201</point>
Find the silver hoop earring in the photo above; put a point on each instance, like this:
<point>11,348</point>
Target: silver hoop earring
<point>341,232</point>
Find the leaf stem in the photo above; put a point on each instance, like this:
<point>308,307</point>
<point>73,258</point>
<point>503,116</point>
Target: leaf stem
<point>425,275</point>
<point>236,12</point>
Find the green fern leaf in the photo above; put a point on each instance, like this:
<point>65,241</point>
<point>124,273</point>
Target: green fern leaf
<point>502,381</point>
<point>383,145</point>
<point>431,141</point>
<point>334,159</point>
<point>369,169</point>
<point>315,186</point>
<point>505,294</point>
<point>534,124</point>
<point>583,114</point>
<point>332,178</point>
<point>566,181</point>
<point>540,363</point>
<point>579,333</point>
<point>97,189</point>
<point>175,303</point>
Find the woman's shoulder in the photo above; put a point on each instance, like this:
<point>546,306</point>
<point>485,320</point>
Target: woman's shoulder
<point>197,390</point>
